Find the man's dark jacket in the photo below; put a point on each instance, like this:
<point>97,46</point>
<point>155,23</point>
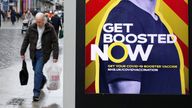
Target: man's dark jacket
<point>49,42</point>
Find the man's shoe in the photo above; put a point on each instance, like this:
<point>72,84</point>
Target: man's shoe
<point>44,81</point>
<point>36,98</point>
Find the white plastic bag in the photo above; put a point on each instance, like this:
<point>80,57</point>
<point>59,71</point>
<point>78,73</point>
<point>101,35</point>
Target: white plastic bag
<point>53,74</point>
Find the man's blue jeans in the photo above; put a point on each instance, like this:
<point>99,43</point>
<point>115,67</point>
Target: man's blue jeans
<point>38,65</point>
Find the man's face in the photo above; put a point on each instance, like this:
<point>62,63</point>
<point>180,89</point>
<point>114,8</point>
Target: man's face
<point>40,22</point>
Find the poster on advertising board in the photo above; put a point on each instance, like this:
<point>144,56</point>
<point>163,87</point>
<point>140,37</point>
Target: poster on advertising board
<point>136,47</point>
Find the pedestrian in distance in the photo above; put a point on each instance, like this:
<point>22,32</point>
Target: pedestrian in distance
<point>42,39</point>
<point>17,16</point>
<point>3,14</point>
<point>56,22</point>
<point>0,16</point>
<point>8,15</point>
<point>29,17</point>
<point>47,18</point>
<point>13,16</point>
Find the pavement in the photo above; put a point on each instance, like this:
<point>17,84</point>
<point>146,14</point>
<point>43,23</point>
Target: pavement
<point>8,25</point>
<point>12,94</point>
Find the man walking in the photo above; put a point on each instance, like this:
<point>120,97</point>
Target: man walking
<point>42,39</point>
<point>56,22</point>
<point>13,16</point>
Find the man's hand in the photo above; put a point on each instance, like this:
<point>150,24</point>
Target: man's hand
<point>23,57</point>
<point>55,60</point>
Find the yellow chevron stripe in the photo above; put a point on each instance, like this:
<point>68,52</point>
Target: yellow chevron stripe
<point>97,42</point>
<point>186,70</point>
<point>180,28</point>
<point>92,26</point>
<point>186,1</point>
<point>89,74</point>
<point>177,24</point>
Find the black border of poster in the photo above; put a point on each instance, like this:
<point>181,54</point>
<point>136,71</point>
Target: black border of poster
<point>190,46</point>
<point>119,101</point>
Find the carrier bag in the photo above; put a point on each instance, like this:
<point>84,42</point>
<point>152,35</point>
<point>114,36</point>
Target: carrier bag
<point>53,74</point>
<point>60,34</point>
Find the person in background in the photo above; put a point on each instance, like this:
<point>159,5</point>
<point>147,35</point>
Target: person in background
<point>8,14</point>
<point>23,15</point>
<point>17,16</point>
<point>29,17</point>
<point>3,15</point>
<point>1,12</point>
<point>35,12</point>
<point>41,47</point>
<point>13,16</point>
<point>20,14</point>
<point>47,18</point>
<point>50,15</point>
<point>56,22</point>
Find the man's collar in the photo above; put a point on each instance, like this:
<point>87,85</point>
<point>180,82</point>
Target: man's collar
<point>34,27</point>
